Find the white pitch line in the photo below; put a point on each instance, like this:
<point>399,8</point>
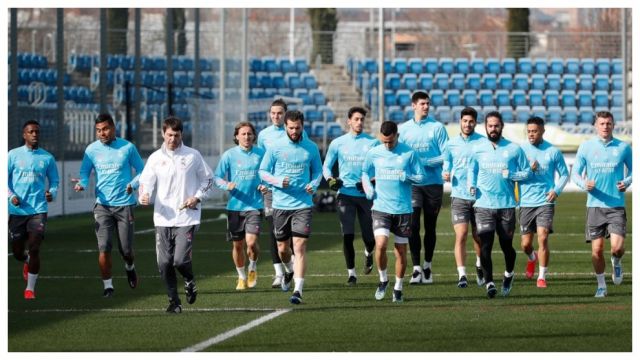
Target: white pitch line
<point>219,218</point>
<point>237,331</point>
<point>142,310</point>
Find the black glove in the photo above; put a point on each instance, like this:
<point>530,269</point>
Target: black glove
<point>335,184</point>
<point>359,187</point>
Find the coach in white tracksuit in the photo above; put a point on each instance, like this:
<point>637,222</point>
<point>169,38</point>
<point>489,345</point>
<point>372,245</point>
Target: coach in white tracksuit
<point>177,178</point>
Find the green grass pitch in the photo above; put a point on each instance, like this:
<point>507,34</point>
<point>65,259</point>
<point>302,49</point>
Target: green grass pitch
<point>70,314</point>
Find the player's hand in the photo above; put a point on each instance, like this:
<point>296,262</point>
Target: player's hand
<point>446,176</point>
<point>48,196</point>
<point>190,203</point>
<point>335,184</point>
<point>77,187</point>
<point>129,189</point>
<point>263,189</point>
<point>309,189</point>
<point>534,165</point>
<point>231,186</point>
<point>285,182</point>
<point>15,200</point>
<point>590,185</point>
<point>359,187</point>
<point>551,196</point>
<point>621,186</point>
<point>472,191</point>
<point>144,199</point>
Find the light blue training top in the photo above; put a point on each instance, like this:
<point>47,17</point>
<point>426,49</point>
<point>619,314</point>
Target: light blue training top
<point>533,191</point>
<point>349,150</point>
<point>241,166</point>
<point>427,138</point>
<point>457,159</point>
<point>28,172</point>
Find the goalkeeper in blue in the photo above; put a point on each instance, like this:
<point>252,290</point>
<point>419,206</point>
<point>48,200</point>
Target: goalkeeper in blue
<point>237,173</point>
<point>600,170</point>
<point>349,150</point>
<point>496,165</point>
<point>395,167</point>
<point>30,168</point>
<point>538,196</point>
<point>292,166</point>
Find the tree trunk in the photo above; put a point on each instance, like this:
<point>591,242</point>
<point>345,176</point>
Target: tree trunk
<point>518,45</point>
<point>323,25</point>
<point>118,20</point>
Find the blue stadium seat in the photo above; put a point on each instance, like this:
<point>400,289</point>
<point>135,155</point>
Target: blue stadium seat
<point>317,129</point>
<point>453,97</point>
<point>540,66</point>
<point>286,66</point>
<point>601,82</point>
<point>455,113</point>
<point>505,82</point>
<point>586,82</point>
<point>272,92</point>
<point>525,66</point>
<point>457,82</point>
<point>477,66</point>
<point>521,82</point>
<point>309,81</point>
<point>616,83</point>
<point>492,66</point>
<point>400,65</point>
<point>507,113</point>
<point>302,94</point>
<point>569,82</point>
<point>442,81</point>
<point>539,111</point>
<point>470,97</point>
<point>552,98</point>
<point>410,81</point>
<point>616,66</point>
<point>431,65</point>
<point>301,65</point>
<point>395,114</point>
<point>408,112</point>
<point>554,82</point>
<point>486,97</point>
<point>572,66</point>
<point>603,66</point>
<point>311,113</point>
<point>536,98</point>
<point>287,92</point>
<point>601,98</point>
<point>269,64</point>
<point>616,99</point>
<point>292,80</point>
<point>255,64</point>
<point>370,65</point>
<point>554,115</point>
<point>415,65</point>
<point>264,80</point>
<point>389,98</point>
<point>461,66</point>
<point>403,97</point>
<point>519,97</point>
<point>392,81</point>
<point>425,82</point>
<point>585,115</point>
<point>277,80</point>
<point>334,130</point>
<point>617,114</point>
<point>256,93</point>
<point>181,79</point>
<point>443,114</point>
<point>446,65</point>
<point>587,66</point>
<point>570,115</point>
<point>489,81</point>
<point>584,98</point>
<point>538,82</point>
<point>485,111</point>
<point>568,98</point>
<point>509,65</point>
<point>387,66</point>
<point>437,97</point>
<point>473,82</point>
<point>502,98</point>
<point>318,97</point>
<point>522,113</point>
<point>556,66</point>
<point>327,112</point>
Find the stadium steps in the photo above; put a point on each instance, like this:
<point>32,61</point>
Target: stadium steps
<point>341,95</point>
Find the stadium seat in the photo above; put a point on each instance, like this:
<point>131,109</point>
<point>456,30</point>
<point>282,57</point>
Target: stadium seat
<point>264,80</point>
<point>255,64</point>
<point>601,82</point>
<point>469,97</point>
<point>457,82</point>
<point>387,66</point>
<point>587,66</point>
<point>519,98</point>
<point>569,82</point>
<point>616,83</point>
<point>461,66</point>
<point>525,66</point>
<point>446,65</point>
<point>570,115</point>
<point>617,114</point>
<point>538,82</point>
<point>473,82</point>
<point>443,114</point>
<point>431,65</point>
<point>269,64</point>
<point>505,82</point>
<point>301,65</point>
<point>301,94</point>
<point>536,98</point>
<point>522,114</point>
<point>556,66</point>
<point>392,81</point>
<point>292,80</point>
<point>601,98</point>
<point>455,113</point>
<point>568,98</point>
<point>317,129</point>
<point>371,65</point>
<point>415,66</point>
<point>410,81</point>
<point>442,81</point>
<point>286,66</point>
<point>403,97</point>
<point>477,66</point>
<point>327,112</point>
<point>485,111</point>
<point>492,66</point>
<point>400,66</point>
<point>334,130</point>
<point>585,115</point>
<point>616,98</point>
<point>584,98</point>
<point>309,81</point>
<point>554,115</point>
<point>395,114</point>
<point>437,97</point>
<point>318,97</point>
<point>425,82</point>
<point>489,82</point>
<point>509,65</point>
<point>521,82</point>
<point>616,66</point>
<point>286,92</point>
<point>539,111</point>
<point>507,114</point>
<point>572,66</point>
<point>554,82</point>
<point>311,113</point>
<point>603,66</point>
<point>408,113</point>
<point>389,97</point>
<point>552,98</point>
<point>540,66</point>
<point>486,97</point>
<point>277,80</point>
<point>586,82</point>
<point>502,98</point>
<point>453,97</point>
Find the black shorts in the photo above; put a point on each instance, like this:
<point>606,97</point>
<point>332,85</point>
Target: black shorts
<point>288,223</point>
<point>462,212</point>
<point>489,219</point>
<point>240,223</point>
<point>428,197</point>
<point>398,224</point>
<point>602,222</point>
<point>532,218</point>
<point>20,225</point>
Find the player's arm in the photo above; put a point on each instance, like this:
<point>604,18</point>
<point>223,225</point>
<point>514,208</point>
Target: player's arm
<point>329,160</point>
<point>447,163</point>
<point>523,169</point>
<point>414,173</point>
<point>135,161</point>
<point>266,170</point>
<point>627,159</point>
<point>85,171</point>
<point>147,182</point>
<point>368,171</point>
<point>54,180</point>
<point>441,138</point>
<point>472,174</point>
<point>563,174</point>
<point>222,173</point>
<point>578,170</point>
<point>205,176</point>
<point>316,172</point>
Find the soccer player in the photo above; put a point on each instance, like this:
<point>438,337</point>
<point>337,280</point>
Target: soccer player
<point>457,154</point>
<point>599,169</point>
<point>395,166</point>
<point>293,168</point>
<point>538,195</point>
<point>349,150</point>
<point>29,165</point>
<point>112,158</point>
<point>237,172</point>
<point>427,137</point>
<point>180,179</point>
<point>496,164</point>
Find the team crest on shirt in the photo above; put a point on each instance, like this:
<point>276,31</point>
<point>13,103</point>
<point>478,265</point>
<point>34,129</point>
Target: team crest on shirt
<point>505,154</point>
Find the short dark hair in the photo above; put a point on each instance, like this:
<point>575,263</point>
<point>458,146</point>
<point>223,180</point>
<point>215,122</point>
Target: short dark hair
<point>603,114</point>
<point>536,120</point>
<point>240,125</point>
<point>105,117</point>
<point>294,115</point>
<point>357,109</point>
<point>279,102</point>
<point>172,122</point>
<point>494,114</point>
<point>469,111</point>
<point>30,122</point>
<point>419,95</point>
<point>388,128</point>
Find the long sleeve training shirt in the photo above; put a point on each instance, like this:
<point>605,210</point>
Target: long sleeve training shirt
<point>349,150</point>
<point>457,159</point>
<point>533,191</point>
<point>29,171</point>
<point>427,138</point>
<point>241,166</point>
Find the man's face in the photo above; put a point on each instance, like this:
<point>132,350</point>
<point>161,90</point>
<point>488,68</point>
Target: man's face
<point>389,141</point>
<point>467,125</point>
<point>534,133</point>
<point>356,122</point>
<point>31,135</point>
<point>172,138</point>
<point>494,128</point>
<point>421,108</point>
<point>277,115</point>
<point>294,130</point>
<point>105,132</point>
<point>604,127</point>
<point>245,137</point>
